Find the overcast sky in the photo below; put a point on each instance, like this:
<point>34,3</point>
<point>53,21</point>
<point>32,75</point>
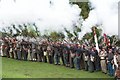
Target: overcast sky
<point>57,14</point>
<point>105,12</point>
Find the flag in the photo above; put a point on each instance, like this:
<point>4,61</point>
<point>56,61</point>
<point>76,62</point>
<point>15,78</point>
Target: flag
<point>96,41</point>
<point>106,40</point>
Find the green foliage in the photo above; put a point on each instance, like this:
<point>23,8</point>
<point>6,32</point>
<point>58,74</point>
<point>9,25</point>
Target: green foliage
<point>89,36</point>
<point>118,43</point>
<point>36,29</point>
<point>55,36</point>
<point>85,8</point>
<point>69,34</point>
<point>26,30</point>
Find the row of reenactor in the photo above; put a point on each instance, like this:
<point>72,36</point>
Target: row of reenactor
<point>70,55</point>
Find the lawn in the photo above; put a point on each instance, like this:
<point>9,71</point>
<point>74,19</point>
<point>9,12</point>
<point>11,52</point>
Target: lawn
<point>25,69</point>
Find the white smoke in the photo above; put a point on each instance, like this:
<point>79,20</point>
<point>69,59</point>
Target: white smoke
<point>105,12</point>
<point>47,14</point>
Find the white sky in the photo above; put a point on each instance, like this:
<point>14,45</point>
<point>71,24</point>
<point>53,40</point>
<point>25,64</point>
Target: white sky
<point>46,16</point>
<point>105,13</point>
<point>60,14</point>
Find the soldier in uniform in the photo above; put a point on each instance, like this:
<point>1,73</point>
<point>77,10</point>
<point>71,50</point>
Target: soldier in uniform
<point>50,53</point>
<point>44,49</point>
<point>66,55</point>
<point>91,60</point>
<point>38,52</point>
<point>97,59</point>
<point>2,48</point>
<point>15,48</point>
<point>7,48</point>
<point>41,53</point>
<point>25,50</point>
<point>61,53</point>
<point>110,62</point>
<point>56,54</point>
<point>72,55</point>
<point>78,57</point>
<point>117,63</point>
<point>85,58</point>
<point>34,55</point>
<point>103,55</point>
<point>19,54</point>
<point>11,49</point>
<point>29,51</point>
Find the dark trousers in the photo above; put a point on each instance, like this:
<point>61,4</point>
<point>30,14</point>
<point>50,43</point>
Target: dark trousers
<point>62,58</point>
<point>71,62</point>
<point>110,69</point>
<point>34,56</point>
<point>7,53</point>
<point>66,59</point>
<point>12,55</point>
<point>45,59</point>
<point>39,57</point>
<point>15,54</point>
<point>19,54</point>
<point>77,63</point>
<point>97,64</point>
<point>57,59</point>
<point>91,66</point>
<point>50,58</point>
<point>86,65</point>
<point>25,55</point>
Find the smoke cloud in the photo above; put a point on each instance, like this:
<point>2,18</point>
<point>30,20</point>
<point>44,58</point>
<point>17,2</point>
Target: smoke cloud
<point>47,14</point>
<point>105,12</point>
<point>57,14</point>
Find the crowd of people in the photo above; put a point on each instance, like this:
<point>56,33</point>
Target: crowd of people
<point>70,55</point>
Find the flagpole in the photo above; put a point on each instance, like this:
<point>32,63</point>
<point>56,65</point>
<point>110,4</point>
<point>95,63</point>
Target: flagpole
<point>95,38</point>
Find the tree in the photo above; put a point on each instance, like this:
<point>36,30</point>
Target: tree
<point>85,8</point>
<point>36,29</point>
<point>69,34</point>
<point>56,36</point>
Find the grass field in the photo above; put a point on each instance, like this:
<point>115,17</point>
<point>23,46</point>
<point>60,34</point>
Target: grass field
<point>25,69</point>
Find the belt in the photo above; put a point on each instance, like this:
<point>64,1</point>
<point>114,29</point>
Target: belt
<point>102,59</point>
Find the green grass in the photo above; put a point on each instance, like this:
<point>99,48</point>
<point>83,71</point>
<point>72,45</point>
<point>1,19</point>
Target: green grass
<point>25,69</point>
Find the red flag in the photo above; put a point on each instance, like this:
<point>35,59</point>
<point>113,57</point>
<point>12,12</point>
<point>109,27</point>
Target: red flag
<point>106,40</point>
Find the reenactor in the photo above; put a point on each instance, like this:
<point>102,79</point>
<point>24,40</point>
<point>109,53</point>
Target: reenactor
<point>50,53</point>
<point>7,48</point>
<point>15,48</point>
<point>56,54</point>
<point>11,49</point>
<point>78,57</point>
<point>66,55</point>
<point>117,64</point>
<point>72,55</point>
<point>25,50</point>
<point>34,54</point>
<point>103,55</point>
<point>29,51</point>
<point>19,54</point>
<point>110,62</point>
<point>1,47</point>
<point>41,53</point>
<point>38,52</point>
<point>91,60</point>
<point>85,57</point>
<point>61,53</point>
<point>97,59</point>
<point>44,49</point>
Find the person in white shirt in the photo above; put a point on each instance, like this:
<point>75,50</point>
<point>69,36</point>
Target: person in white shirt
<point>103,55</point>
